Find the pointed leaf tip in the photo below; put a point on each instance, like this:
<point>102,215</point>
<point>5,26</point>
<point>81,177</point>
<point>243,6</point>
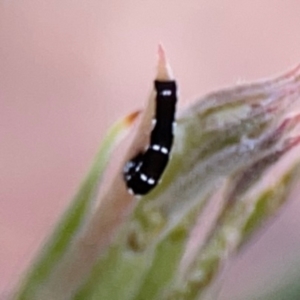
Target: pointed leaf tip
<point>164,71</point>
<point>161,53</point>
<point>131,118</point>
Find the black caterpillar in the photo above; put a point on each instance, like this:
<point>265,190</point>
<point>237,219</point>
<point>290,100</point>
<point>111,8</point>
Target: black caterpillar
<point>143,172</point>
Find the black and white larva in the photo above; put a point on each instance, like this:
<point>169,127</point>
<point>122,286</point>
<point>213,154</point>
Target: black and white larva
<point>143,172</point>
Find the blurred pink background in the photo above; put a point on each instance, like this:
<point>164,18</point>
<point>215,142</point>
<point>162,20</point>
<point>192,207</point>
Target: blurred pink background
<point>68,69</point>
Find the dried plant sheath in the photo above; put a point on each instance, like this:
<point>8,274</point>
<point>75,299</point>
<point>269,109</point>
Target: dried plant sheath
<point>234,161</point>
